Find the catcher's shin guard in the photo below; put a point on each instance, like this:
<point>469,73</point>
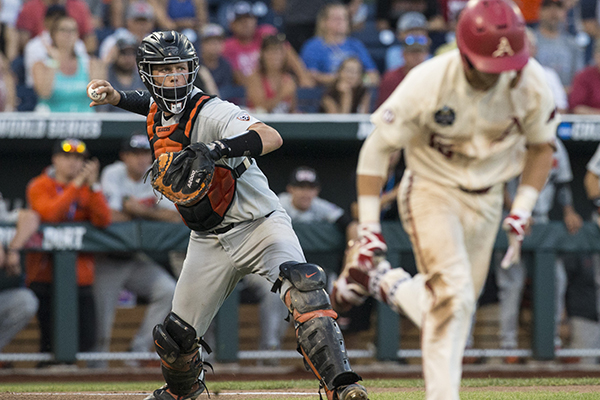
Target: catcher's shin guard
<point>181,361</point>
<point>320,340</point>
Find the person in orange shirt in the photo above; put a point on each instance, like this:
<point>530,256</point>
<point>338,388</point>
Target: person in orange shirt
<point>67,191</point>
<point>530,10</point>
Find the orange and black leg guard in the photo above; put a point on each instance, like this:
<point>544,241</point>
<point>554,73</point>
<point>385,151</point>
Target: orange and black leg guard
<point>320,339</point>
<point>180,352</point>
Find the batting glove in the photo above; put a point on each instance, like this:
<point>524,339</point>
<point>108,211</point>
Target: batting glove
<point>371,245</point>
<point>514,225</point>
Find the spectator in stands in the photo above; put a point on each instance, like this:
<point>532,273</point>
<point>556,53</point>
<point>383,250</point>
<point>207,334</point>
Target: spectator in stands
<point>121,8</point>
<point>122,73</point>
<point>530,10</point>
<point>67,191</point>
<point>60,80</point>
<point>552,78</point>
<point>36,49</point>
<point>9,39</point>
<point>271,88</point>
<point>556,48</point>
<point>188,14</point>
<point>414,52</point>
<point>212,42</point>
<point>582,295</point>
<point>30,22</point>
<point>389,11</point>
<point>8,95</point>
<point>242,50</point>
<point>17,303</point>
<point>299,18</point>
<point>411,30</point>
<point>590,22</point>
<point>347,94</point>
<point>511,278</point>
<point>302,202</point>
<point>331,45</point>
<point>130,198</point>
<point>584,97</point>
<point>139,23</point>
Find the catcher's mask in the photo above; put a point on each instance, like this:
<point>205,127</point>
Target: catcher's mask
<point>162,48</point>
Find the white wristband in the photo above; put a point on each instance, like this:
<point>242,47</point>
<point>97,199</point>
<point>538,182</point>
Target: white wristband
<point>525,199</point>
<point>368,209</point>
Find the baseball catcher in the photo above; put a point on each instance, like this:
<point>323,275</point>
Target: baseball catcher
<point>204,151</point>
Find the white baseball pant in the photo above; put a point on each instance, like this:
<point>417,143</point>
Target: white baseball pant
<point>452,234</point>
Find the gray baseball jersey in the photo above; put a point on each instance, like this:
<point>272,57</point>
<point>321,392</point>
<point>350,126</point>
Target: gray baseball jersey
<point>261,239</point>
<point>220,119</point>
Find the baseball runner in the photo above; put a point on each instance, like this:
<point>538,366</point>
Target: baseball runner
<point>468,121</point>
<point>238,226</point>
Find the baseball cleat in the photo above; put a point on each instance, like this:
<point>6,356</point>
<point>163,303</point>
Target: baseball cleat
<point>352,392</point>
<point>164,393</point>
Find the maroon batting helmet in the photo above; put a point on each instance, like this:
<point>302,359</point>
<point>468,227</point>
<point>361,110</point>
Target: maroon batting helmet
<point>491,35</point>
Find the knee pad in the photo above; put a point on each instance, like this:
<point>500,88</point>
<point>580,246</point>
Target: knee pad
<point>319,337</point>
<point>179,349</point>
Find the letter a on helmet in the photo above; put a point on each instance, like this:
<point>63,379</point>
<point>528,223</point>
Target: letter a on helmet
<point>490,34</point>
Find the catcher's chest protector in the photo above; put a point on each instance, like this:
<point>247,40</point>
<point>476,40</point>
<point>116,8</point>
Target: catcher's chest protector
<point>210,211</point>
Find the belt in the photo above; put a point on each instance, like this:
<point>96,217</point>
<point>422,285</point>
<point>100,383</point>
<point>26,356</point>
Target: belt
<point>220,231</point>
<point>476,191</point>
<point>227,228</point>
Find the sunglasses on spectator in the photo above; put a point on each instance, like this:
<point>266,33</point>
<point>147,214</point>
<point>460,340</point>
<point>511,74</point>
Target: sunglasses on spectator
<point>412,40</point>
<point>73,146</point>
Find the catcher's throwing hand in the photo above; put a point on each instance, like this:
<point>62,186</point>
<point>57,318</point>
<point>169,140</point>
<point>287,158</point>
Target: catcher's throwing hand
<point>184,177</point>
<point>103,87</point>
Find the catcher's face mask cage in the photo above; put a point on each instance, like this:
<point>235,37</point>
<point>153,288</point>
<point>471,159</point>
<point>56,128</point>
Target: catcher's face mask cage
<point>166,48</point>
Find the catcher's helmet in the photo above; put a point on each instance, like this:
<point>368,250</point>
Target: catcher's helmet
<point>490,34</point>
<point>168,47</point>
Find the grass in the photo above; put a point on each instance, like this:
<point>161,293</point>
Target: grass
<point>544,387</point>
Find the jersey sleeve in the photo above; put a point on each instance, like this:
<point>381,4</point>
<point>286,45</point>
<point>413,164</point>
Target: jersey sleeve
<point>220,119</point>
<point>397,119</point>
<point>542,119</point>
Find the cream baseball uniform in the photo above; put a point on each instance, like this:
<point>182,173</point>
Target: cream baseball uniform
<point>460,145</point>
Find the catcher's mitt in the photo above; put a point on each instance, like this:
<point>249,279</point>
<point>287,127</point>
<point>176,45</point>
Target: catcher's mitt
<point>184,177</point>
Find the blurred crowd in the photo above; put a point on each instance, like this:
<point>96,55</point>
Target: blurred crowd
<point>269,56</point>
<point>273,56</point>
